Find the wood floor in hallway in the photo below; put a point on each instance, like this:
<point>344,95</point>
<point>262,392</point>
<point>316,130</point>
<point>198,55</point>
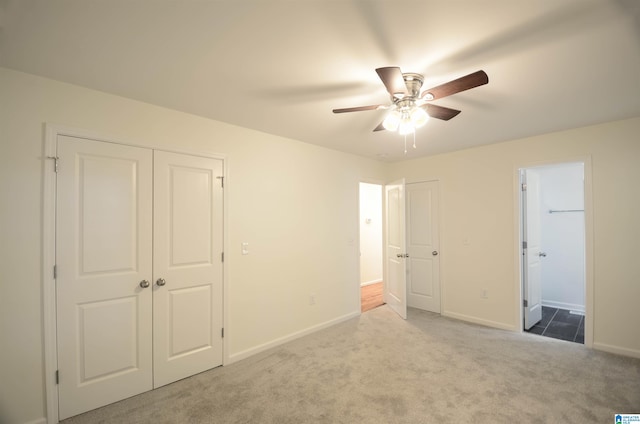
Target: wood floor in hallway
<point>371,296</point>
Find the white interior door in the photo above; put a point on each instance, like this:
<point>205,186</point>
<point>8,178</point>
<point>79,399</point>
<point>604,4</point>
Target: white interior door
<point>395,287</point>
<point>531,228</point>
<point>188,276</point>
<point>423,246</point>
<point>103,248</point>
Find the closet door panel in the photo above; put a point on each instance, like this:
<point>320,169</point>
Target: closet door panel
<point>188,225</point>
<point>103,249</point>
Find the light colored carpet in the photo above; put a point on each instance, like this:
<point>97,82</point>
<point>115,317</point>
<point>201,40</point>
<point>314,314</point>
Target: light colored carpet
<point>378,368</point>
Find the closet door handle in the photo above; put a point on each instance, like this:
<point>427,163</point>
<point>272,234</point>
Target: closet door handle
<point>160,282</point>
<point>144,284</point>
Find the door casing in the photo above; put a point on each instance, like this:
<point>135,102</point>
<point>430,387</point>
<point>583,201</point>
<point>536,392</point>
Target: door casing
<point>49,249</point>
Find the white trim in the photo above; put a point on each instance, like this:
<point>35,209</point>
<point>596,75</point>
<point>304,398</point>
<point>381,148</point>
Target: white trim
<point>633,353</point>
<point>41,420</point>
<point>225,267</point>
<point>52,131</point>
<point>48,282</point>
<point>116,139</point>
<point>588,230</point>
<point>589,293</point>
<point>563,305</point>
<point>368,283</point>
<point>296,335</point>
<point>475,320</point>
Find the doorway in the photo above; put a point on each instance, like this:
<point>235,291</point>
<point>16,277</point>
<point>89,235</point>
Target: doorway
<point>371,285</point>
<point>553,250</point>
<point>410,259</point>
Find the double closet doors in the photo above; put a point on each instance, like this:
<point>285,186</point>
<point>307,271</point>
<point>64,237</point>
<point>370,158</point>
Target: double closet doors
<point>139,270</point>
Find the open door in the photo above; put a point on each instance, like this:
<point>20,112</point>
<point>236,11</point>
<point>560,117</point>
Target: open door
<point>532,291</point>
<point>395,292</point>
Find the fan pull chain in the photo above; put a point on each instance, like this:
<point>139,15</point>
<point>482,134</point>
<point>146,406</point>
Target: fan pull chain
<point>414,140</point>
<point>405,144</point>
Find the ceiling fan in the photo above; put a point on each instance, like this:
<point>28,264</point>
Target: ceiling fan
<point>409,108</point>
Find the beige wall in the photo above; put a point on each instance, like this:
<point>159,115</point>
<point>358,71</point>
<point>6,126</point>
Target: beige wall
<point>297,207</point>
<point>478,205</point>
<point>294,203</point>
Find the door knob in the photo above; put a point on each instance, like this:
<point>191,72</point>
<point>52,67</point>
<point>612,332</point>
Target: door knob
<point>144,284</point>
<point>434,253</point>
<point>160,282</point>
<point>402,255</point>
<point>542,255</point>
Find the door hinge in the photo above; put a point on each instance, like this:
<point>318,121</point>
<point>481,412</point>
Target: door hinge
<point>524,186</point>
<point>222,333</point>
<point>525,303</point>
<point>222,257</point>
<point>55,162</point>
<point>221,181</point>
<point>57,377</point>
<point>55,272</point>
<point>524,244</point>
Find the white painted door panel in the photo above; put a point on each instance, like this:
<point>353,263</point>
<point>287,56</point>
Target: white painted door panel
<point>423,271</point>
<point>103,245</point>
<point>395,286</point>
<point>532,274</point>
<point>187,258</point>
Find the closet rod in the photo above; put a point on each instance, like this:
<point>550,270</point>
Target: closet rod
<point>565,210</point>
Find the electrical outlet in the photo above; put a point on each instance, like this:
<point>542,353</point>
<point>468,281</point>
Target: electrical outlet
<point>485,294</point>
<point>312,299</point>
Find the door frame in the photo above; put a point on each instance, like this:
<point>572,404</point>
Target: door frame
<point>588,233</point>
<point>49,196</point>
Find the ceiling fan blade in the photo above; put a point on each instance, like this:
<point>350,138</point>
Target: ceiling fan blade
<point>457,85</point>
<point>440,112</point>
<point>357,108</point>
<point>392,79</point>
<point>380,127</point>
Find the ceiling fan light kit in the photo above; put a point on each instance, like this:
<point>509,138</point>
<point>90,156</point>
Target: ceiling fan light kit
<point>409,109</point>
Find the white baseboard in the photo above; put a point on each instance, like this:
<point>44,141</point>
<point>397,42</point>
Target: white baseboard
<point>562,305</point>
<point>42,420</point>
<point>476,320</point>
<point>368,283</point>
<point>279,341</point>
<point>617,350</point>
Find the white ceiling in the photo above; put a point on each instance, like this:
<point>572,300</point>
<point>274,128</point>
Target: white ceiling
<point>281,66</point>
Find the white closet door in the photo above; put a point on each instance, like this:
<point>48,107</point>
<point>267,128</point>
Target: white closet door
<point>423,244</point>
<point>188,275</point>
<point>103,245</point>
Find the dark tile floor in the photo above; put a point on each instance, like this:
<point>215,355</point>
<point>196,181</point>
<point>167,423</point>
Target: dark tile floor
<point>560,324</point>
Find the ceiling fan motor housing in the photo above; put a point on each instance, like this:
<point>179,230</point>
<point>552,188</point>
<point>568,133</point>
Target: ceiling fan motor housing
<point>414,83</point>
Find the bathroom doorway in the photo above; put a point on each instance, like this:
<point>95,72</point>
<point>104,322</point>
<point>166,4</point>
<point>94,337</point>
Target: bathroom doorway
<point>553,250</point>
